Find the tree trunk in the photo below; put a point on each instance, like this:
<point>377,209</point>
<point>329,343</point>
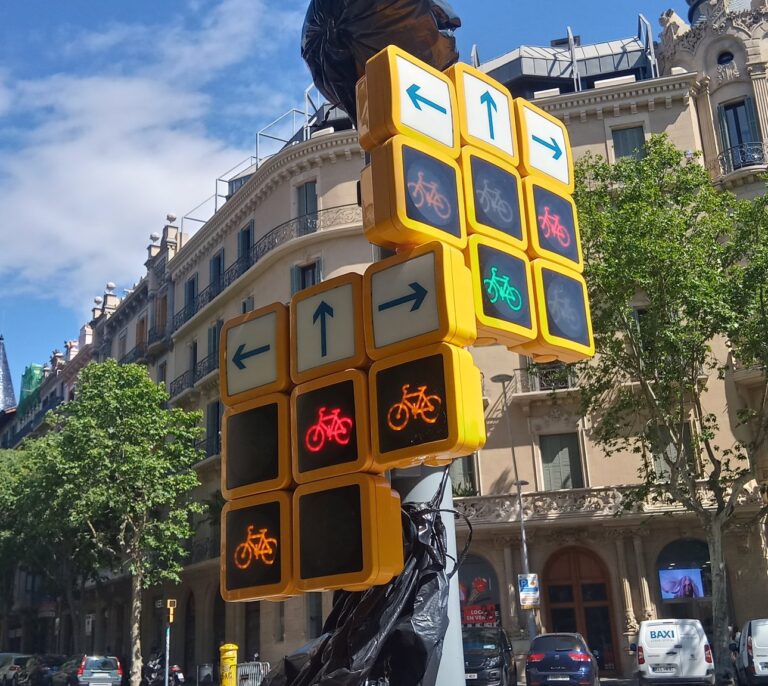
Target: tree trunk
<point>136,662</point>
<point>721,636</point>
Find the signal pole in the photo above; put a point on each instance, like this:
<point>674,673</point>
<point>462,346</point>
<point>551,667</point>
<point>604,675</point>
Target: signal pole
<point>170,604</point>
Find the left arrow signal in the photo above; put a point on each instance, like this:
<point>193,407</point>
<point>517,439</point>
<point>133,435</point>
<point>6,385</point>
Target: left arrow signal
<point>241,354</point>
<point>416,99</point>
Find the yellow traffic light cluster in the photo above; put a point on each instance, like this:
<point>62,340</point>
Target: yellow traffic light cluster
<point>454,158</point>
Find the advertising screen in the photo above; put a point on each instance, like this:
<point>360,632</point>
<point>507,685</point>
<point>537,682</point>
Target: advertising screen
<point>680,583</point>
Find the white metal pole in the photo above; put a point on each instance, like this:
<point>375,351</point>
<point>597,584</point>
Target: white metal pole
<point>167,650</point>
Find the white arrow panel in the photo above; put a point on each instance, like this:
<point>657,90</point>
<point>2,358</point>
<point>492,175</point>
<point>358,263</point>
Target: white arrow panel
<point>434,120</point>
<point>339,328</point>
<point>399,323</point>
<point>259,369</point>
<point>542,155</point>
<point>477,108</point>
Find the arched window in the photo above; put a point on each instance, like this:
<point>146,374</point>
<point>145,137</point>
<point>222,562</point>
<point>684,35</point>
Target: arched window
<point>725,57</point>
<point>684,570</point>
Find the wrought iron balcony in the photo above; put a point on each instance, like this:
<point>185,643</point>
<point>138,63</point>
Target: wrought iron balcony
<point>206,366</point>
<point>157,334</point>
<point>135,355</point>
<point>210,444</point>
<point>202,549</point>
<point>742,156</point>
<point>294,228</point>
<point>182,382</point>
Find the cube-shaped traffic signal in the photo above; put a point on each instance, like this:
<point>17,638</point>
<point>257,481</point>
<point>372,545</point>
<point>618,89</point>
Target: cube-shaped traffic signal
<point>253,354</point>
<point>327,328</point>
<point>502,285</point>
<point>400,94</point>
<point>493,197</point>
<point>553,224</point>
<point>329,426</point>
<point>562,304</point>
<point>256,553</point>
<point>412,194</point>
<point>256,455</point>
<point>416,298</point>
<point>426,403</point>
<point>486,112</point>
<point>347,533</point>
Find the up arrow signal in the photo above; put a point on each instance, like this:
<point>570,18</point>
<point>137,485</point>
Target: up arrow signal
<point>553,146</point>
<point>323,310</point>
<point>241,354</point>
<point>487,100</point>
<point>416,296</point>
<point>416,99</point>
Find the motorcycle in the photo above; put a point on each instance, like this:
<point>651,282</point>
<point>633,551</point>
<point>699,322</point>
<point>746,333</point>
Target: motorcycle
<point>153,673</point>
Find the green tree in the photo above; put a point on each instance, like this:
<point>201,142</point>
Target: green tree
<point>132,457</point>
<point>670,263</point>
<point>12,470</point>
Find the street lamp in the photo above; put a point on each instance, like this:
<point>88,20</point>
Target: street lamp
<point>504,379</point>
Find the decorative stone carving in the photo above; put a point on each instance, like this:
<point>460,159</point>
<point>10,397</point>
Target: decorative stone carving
<point>727,72</point>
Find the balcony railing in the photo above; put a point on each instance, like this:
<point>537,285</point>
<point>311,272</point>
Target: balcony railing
<point>743,156</point>
<point>134,355</point>
<point>157,334</point>
<point>182,382</point>
<point>211,445</point>
<point>34,421</point>
<point>206,366</point>
<point>201,549</point>
<point>550,377</point>
<point>294,228</point>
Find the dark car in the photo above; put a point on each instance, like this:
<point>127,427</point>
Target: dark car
<point>39,669</point>
<point>10,666</point>
<point>488,659</point>
<point>560,659</point>
<point>89,670</point>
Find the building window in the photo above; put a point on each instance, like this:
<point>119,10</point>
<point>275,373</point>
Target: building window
<point>141,331</point>
<point>314,614</point>
<point>738,135</point>
<point>244,242</point>
<point>190,293</point>
<point>305,275</point>
<point>216,271</point>
<point>725,57</point>
<point>214,332</point>
<point>161,313</point>
<point>306,196</point>
<point>122,345</point>
<point>561,461</point>
<point>664,450</point>
<point>212,428</point>
<point>629,142</point>
<point>192,355</point>
<point>162,373</point>
<point>463,476</point>
<point>246,305</point>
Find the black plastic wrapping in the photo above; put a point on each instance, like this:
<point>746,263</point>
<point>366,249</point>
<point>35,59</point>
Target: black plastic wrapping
<point>340,36</point>
<point>393,632</point>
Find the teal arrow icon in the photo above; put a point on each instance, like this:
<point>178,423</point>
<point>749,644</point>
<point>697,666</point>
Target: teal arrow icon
<point>487,100</point>
<point>554,146</point>
<point>417,100</point>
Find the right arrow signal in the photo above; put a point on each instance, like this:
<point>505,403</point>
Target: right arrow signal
<point>554,146</point>
<point>416,296</point>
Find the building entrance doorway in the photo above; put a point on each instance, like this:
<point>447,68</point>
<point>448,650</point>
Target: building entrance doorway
<point>577,599</point>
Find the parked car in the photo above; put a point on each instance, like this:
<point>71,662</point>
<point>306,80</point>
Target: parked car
<point>674,651</point>
<point>89,670</point>
<point>10,666</point>
<point>488,658</point>
<point>39,669</point>
<point>752,653</point>
<point>560,658</point>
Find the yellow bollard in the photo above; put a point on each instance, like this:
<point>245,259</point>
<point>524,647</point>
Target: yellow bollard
<point>228,664</point>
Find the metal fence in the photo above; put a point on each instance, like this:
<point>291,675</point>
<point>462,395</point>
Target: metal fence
<point>252,673</point>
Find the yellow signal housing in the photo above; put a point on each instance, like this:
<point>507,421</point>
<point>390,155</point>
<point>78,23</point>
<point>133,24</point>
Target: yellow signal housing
<point>412,194</point>
<point>347,533</point>
<point>565,324</point>
<point>425,403</point>
<point>255,447</point>
<point>330,433</point>
<point>493,195</point>
<point>502,286</point>
<point>400,94</point>
<point>253,354</point>
<point>256,552</point>
<point>553,223</point>
<point>416,298</point>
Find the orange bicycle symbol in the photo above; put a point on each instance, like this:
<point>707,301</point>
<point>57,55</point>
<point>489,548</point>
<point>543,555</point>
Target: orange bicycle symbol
<point>256,546</point>
<point>329,427</point>
<point>550,224</point>
<point>413,405</point>
<point>426,192</point>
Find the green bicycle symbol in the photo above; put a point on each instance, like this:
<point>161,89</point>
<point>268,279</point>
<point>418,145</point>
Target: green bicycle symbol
<point>499,287</point>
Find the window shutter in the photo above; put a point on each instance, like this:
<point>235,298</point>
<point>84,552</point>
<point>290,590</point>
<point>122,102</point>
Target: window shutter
<point>295,279</point>
<point>724,141</point>
<point>319,269</point>
<point>754,128</point>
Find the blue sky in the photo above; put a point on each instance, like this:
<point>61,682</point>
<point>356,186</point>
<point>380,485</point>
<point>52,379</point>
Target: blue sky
<point>113,114</point>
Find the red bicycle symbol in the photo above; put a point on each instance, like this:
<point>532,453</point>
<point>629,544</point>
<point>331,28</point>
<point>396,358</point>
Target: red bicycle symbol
<point>426,192</point>
<point>550,224</point>
<point>329,427</point>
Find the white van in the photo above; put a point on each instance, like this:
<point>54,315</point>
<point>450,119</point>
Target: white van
<point>674,651</point>
<point>752,656</point>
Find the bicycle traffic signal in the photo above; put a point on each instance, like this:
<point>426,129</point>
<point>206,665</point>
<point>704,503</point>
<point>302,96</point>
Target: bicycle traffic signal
<point>425,403</point>
<point>256,553</point>
<point>253,355</point>
<point>417,298</point>
<point>565,325</point>
<point>494,199</point>
<point>503,293</point>
<point>553,223</point>
<point>327,329</point>
<point>329,426</point>
<point>346,533</point>
<point>412,194</point>
<point>255,447</point>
